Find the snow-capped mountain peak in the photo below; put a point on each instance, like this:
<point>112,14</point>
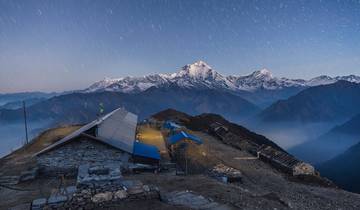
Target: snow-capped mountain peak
<point>263,73</point>
<point>202,75</point>
<point>320,80</point>
<point>199,69</point>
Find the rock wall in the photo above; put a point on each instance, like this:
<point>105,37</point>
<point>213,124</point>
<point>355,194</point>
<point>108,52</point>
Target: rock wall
<point>99,197</point>
<point>67,158</point>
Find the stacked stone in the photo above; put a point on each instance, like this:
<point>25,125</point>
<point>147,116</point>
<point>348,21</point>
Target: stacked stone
<point>82,151</point>
<point>226,174</point>
<point>100,196</point>
<point>92,198</point>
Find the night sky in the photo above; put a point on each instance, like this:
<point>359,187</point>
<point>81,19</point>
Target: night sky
<point>60,45</point>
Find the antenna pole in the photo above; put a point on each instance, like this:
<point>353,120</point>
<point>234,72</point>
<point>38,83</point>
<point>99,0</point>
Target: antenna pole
<point>25,120</point>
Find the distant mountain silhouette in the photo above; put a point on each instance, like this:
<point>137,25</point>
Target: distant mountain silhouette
<point>331,144</point>
<point>83,107</point>
<point>16,97</point>
<point>344,169</point>
<point>325,103</point>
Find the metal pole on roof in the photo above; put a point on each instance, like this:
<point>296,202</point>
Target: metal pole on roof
<point>25,121</point>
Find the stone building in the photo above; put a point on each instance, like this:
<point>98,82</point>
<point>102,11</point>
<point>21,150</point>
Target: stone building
<point>109,140</point>
<point>277,158</point>
<point>285,161</point>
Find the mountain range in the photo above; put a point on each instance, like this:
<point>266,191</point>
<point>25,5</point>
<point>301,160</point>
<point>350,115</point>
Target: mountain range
<point>260,87</point>
<point>12,98</point>
<point>83,107</point>
<point>201,75</point>
<point>334,102</point>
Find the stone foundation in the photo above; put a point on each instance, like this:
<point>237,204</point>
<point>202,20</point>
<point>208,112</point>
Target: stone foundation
<point>66,159</point>
<point>99,196</point>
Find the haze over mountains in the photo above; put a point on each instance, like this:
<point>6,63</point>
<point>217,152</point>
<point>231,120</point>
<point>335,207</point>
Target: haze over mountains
<point>332,143</point>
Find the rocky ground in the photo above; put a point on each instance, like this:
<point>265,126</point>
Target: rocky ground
<point>262,186</point>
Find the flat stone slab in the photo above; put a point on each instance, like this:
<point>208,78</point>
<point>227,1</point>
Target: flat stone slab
<point>88,175</point>
<point>131,183</point>
<point>70,190</point>
<point>55,199</point>
<point>120,194</point>
<point>192,200</point>
<point>102,197</point>
<point>39,202</point>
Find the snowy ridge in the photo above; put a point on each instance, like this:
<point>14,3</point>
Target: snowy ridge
<point>201,75</point>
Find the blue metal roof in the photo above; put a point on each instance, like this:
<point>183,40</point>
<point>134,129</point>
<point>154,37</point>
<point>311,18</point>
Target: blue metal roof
<point>183,135</point>
<point>171,125</point>
<point>146,150</point>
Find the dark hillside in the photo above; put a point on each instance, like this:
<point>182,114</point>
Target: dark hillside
<point>202,123</point>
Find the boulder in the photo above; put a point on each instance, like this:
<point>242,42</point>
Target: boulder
<point>120,194</point>
<point>102,197</point>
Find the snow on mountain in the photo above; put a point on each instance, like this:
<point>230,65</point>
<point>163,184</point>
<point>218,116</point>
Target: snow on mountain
<point>201,75</point>
<point>320,80</point>
<point>349,78</point>
<point>263,79</point>
<point>198,74</point>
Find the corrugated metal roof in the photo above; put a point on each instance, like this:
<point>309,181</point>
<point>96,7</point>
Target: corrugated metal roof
<point>146,150</point>
<point>118,129</point>
<point>183,135</point>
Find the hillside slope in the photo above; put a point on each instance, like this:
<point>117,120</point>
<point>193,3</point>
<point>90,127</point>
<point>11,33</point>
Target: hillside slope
<point>333,102</point>
<point>330,144</point>
<point>344,169</point>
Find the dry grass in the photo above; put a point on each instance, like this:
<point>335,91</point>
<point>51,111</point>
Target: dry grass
<point>22,159</point>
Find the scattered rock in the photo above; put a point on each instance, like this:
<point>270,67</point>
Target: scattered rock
<point>226,174</point>
<point>102,197</point>
<point>38,203</point>
<point>120,194</point>
<point>56,199</point>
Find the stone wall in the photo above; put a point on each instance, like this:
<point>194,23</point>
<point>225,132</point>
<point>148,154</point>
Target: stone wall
<point>99,197</point>
<point>67,158</point>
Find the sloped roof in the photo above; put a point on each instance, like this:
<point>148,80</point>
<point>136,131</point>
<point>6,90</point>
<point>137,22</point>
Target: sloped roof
<point>171,125</point>
<point>146,150</point>
<point>117,128</point>
<point>183,135</point>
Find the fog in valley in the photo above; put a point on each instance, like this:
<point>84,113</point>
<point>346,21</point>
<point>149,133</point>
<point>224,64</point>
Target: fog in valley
<point>12,136</point>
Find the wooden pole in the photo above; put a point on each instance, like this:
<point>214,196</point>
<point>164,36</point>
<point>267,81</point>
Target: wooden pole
<point>25,120</point>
